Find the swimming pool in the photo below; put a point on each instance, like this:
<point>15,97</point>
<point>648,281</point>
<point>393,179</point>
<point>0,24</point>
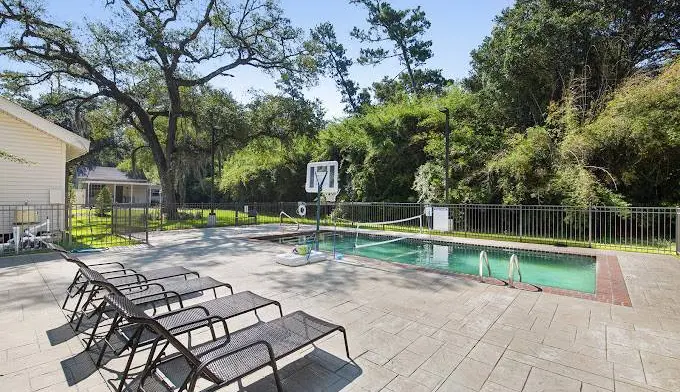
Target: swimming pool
<point>564,271</point>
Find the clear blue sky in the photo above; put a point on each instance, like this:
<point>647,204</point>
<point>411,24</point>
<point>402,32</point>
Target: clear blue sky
<point>458,26</point>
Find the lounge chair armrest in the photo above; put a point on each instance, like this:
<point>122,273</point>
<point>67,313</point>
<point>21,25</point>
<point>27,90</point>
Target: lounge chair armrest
<point>140,279</point>
<point>146,286</point>
<point>182,310</point>
<point>203,365</point>
<point>123,272</point>
<point>209,320</point>
<point>108,263</point>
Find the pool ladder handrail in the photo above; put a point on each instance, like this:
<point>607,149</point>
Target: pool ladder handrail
<point>282,214</point>
<point>483,262</point>
<point>512,266</point>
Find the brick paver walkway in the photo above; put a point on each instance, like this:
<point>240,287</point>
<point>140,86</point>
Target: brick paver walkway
<point>408,330</point>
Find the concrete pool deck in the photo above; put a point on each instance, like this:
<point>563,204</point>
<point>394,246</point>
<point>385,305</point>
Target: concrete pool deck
<point>408,330</point>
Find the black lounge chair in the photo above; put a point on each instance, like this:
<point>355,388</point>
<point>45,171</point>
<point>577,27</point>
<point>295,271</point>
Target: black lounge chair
<point>146,293</point>
<point>177,322</point>
<point>226,359</point>
<point>119,275</point>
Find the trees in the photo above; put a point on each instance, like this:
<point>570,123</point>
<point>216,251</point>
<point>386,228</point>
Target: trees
<point>404,28</point>
<point>538,47</point>
<point>149,57</point>
<point>333,60</point>
<point>103,202</point>
<point>272,164</point>
<point>429,82</point>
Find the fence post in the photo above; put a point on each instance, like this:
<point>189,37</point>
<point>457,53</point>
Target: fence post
<point>160,212</point>
<point>465,218</point>
<point>113,221</point>
<point>590,226</point>
<point>146,223</point>
<point>69,225</point>
<point>677,230</point>
<point>521,231</point>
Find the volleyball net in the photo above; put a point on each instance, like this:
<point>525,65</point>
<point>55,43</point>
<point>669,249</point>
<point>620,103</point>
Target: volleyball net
<point>406,225</point>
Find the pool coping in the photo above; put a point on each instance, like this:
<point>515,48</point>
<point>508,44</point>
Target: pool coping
<point>610,285</point>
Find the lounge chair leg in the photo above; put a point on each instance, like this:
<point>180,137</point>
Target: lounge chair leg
<point>133,349</point>
<point>94,331</point>
<point>277,379</point>
<point>280,310</point>
<point>80,299</point>
<point>344,335</point>
<point>83,312</point>
<point>70,288</point>
<point>215,293</point>
<point>114,324</point>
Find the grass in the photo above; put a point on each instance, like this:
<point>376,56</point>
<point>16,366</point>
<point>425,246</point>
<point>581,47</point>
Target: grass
<point>88,230</point>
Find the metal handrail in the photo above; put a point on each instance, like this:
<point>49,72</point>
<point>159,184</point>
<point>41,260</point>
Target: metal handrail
<point>514,264</point>
<point>282,214</point>
<point>483,261</point>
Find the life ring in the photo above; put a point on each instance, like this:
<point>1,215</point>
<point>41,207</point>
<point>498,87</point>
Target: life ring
<point>302,210</point>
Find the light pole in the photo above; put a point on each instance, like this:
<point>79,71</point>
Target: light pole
<point>212,221</point>
<point>447,132</point>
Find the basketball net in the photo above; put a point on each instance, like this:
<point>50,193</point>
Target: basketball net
<point>329,196</point>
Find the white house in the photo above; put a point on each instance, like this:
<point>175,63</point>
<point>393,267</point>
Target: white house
<point>124,187</point>
<point>34,190</point>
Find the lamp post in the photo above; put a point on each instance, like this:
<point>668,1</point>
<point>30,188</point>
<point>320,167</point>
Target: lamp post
<point>447,133</point>
<point>212,220</point>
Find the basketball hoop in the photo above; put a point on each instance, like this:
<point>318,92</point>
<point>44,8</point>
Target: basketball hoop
<point>329,196</point>
<point>322,179</point>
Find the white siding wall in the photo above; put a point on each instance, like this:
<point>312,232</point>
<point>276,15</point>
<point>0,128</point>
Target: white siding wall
<point>20,183</point>
<point>141,194</point>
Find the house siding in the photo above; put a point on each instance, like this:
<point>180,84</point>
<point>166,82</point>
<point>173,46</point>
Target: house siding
<point>31,183</point>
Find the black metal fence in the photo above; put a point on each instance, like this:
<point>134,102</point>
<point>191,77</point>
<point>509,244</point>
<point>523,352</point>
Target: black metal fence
<point>646,229</point>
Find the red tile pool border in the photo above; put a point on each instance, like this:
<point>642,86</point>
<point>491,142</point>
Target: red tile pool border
<point>610,286</point>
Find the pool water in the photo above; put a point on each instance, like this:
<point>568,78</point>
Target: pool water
<point>571,272</point>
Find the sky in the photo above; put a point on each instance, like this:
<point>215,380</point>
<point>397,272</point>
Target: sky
<point>458,26</point>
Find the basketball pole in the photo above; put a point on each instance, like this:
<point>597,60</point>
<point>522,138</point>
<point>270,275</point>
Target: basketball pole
<point>319,185</point>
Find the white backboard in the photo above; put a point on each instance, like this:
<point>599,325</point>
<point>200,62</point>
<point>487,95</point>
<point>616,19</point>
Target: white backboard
<point>326,171</point>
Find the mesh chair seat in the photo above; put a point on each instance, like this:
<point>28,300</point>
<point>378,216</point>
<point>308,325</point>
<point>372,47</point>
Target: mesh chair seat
<point>223,307</point>
<point>285,335</point>
<point>155,292</point>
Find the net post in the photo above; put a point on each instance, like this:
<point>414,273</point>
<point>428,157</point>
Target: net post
<point>677,230</point>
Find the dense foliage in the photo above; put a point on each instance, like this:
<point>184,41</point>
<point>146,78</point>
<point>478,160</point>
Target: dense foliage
<point>568,102</point>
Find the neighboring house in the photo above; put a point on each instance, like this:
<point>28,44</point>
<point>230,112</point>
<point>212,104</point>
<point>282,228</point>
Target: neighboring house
<point>34,190</point>
<point>124,187</point>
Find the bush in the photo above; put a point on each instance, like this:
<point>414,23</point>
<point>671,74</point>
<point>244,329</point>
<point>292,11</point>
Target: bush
<point>103,202</point>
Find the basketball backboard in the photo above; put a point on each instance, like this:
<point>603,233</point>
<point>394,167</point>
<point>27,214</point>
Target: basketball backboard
<point>325,172</point>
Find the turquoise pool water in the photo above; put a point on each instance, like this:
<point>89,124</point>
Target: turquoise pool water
<point>571,272</point>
